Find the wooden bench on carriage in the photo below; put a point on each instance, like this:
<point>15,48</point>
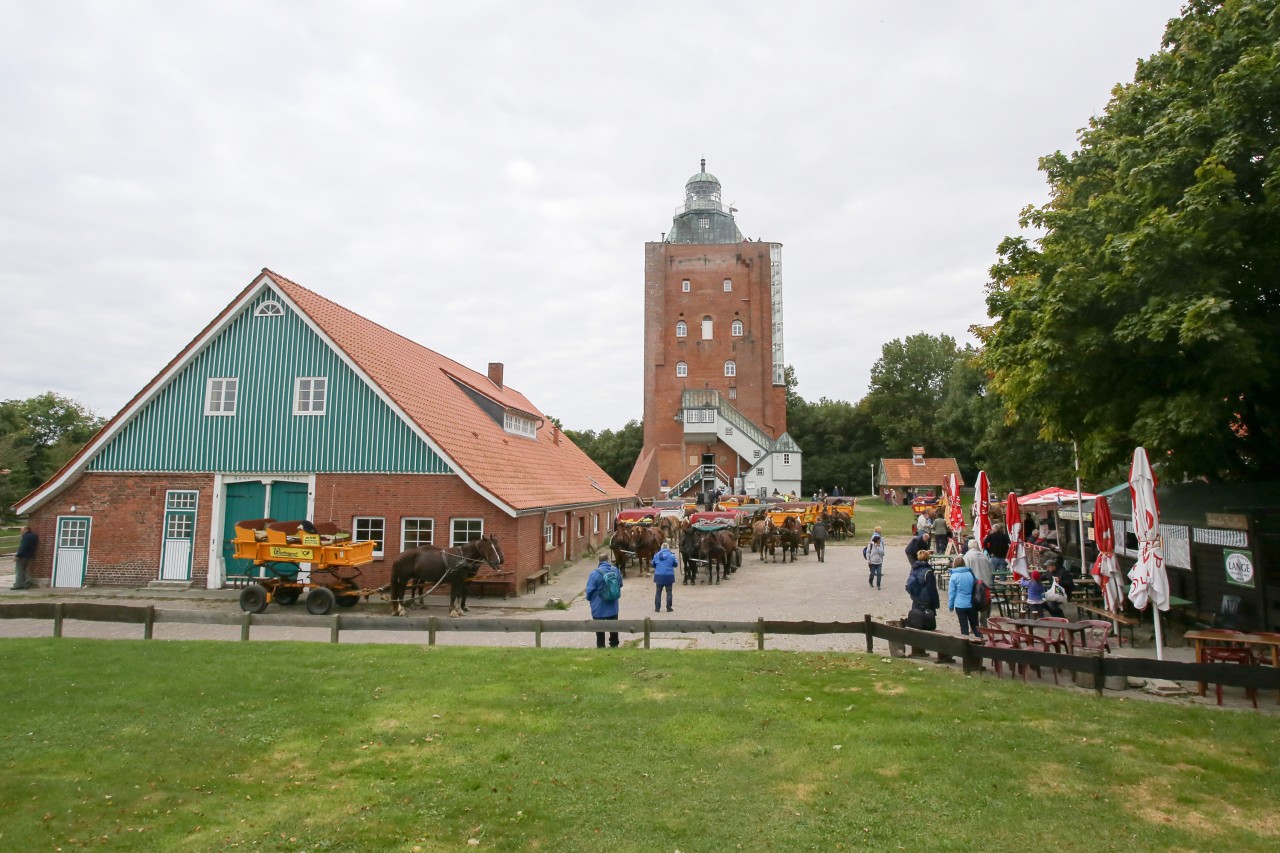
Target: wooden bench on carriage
<point>324,564</point>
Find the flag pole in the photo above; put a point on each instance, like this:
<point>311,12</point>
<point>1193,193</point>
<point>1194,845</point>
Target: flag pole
<point>1075,450</point>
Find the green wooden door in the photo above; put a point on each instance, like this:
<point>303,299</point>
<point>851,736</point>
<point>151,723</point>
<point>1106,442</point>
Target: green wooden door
<point>243,501</point>
<point>288,500</point>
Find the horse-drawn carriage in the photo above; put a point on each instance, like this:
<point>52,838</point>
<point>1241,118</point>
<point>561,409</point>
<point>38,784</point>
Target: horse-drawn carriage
<point>712,539</point>
<point>640,533</point>
<point>280,548</point>
<point>839,512</point>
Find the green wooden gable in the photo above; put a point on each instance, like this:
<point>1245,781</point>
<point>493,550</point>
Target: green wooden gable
<point>266,354</point>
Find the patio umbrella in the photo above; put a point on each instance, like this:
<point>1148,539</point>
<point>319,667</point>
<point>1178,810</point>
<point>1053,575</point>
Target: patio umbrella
<point>1017,548</point>
<point>1147,578</point>
<point>955,513</point>
<point>1106,569</point>
<point>981,508</point>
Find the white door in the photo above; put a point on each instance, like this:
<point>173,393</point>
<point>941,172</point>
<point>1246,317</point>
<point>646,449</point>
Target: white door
<point>71,553</point>
<point>179,535</point>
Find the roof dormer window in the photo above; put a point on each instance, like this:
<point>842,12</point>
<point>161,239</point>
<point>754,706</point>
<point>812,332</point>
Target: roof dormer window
<point>517,425</point>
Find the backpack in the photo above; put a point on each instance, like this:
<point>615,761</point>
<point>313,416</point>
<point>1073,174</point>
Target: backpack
<point>981,595</point>
<point>610,584</point>
<point>864,551</point>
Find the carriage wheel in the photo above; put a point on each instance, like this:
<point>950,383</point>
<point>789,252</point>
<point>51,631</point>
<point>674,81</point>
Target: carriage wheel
<point>320,600</point>
<point>287,595</point>
<point>348,594</point>
<point>253,598</point>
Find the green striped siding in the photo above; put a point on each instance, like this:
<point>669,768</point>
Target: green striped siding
<point>358,433</point>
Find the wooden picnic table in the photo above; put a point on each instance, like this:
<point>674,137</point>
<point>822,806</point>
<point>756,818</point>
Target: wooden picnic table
<point>1212,637</point>
<point>1072,628</point>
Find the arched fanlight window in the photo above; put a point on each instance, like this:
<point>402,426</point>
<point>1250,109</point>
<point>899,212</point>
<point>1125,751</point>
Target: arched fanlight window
<point>730,368</point>
<point>682,369</point>
<point>682,329</point>
<point>269,309</point>
<point>736,328</point>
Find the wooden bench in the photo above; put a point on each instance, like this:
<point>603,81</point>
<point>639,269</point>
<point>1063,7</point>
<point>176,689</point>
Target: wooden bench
<point>1102,613</point>
<point>535,580</point>
<point>490,583</point>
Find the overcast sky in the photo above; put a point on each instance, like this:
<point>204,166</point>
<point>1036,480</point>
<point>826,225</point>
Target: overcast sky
<point>481,177</point>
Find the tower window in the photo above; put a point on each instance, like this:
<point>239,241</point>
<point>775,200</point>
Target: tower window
<point>730,368</point>
<point>682,329</point>
<point>733,393</point>
<point>704,223</point>
<point>682,369</point>
<point>736,328</point>
<point>684,285</point>
<point>728,285</point>
<point>706,328</point>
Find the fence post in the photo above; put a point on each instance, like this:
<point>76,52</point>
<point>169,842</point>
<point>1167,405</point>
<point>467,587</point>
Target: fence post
<point>57,619</point>
<point>759,633</point>
<point>334,627</point>
<point>1099,674</point>
<point>431,631</point>
<point>537,635</point>
<point>971,660</point>
<point>866,623</point>
<point>647,625</point>
<point>244,625</point>
<point>150,621</point>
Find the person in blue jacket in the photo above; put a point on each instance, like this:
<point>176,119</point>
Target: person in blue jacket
<point>664,576</point>
<point>600,608</point>
<point>960,599</point>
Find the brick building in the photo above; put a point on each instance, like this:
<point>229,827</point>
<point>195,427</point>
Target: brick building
<point>290,406</point>
<point>715,407</point>
<point>916,474</point>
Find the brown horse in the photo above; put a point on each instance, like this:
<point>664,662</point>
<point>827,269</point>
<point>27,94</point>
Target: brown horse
<point>645,542</point>
<point>764,538</point>
<point>718,548</point>
<point>789,537</point>
<point>414,569</point>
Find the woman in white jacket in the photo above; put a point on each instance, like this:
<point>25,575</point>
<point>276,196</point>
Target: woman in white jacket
<point>874,552</point>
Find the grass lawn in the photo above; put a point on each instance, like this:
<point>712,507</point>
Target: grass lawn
<point>173,746</point>
<point>892,520</point>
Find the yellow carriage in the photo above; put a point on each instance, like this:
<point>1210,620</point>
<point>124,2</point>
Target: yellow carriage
<point>283,548</point>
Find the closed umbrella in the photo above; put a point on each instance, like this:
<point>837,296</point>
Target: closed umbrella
<point>1147,578</point>
<point>1017,548</point>
<point>955,513</point>
<point>1106,569</point>
<point>982,509</point>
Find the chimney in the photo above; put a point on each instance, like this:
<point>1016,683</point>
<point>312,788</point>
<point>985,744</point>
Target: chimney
<point>495,373</point>
<point>917,456</point>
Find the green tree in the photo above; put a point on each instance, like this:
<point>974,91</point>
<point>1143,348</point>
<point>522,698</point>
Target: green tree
<point>907,386</point>
<point>840,444</point>
<point>615,452</point>
<point>37,437</point>
<point>1146,312</point>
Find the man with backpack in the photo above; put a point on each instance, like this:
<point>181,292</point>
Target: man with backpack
<point>604,589</point>
<point>983,573</point>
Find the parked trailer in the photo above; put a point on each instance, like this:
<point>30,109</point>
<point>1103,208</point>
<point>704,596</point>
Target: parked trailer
<point>282,548</point>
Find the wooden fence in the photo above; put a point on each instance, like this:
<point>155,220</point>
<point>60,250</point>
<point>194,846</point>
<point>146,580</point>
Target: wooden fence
<point>972,656</point>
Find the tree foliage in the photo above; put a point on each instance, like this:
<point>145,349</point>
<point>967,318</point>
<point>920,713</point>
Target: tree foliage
<point>615,452</point>
<point>839,441</point>
<point>1146,312</point>
<point>37,437</point>
<point>907,386</point>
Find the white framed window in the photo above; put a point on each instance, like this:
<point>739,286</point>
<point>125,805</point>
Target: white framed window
<point>269,309</point>
<point>220,395</point>
<point>706,328</point>
<point>519,425</point>
<point>366,527</point>
<point>682,369</point>
<point>549,535</point>
<point>181,500</point>
<point>736,329</point>
<point>595,522</point>
<point>463,530</point>
<point>704,223</point>
<point>733,393</point>
<point>786,459</point>
<point>417,532</point>
<point>759,472</point>
<point>684,285</point>
<point>728,430</point>
<point>728,285</point>
<point>682,329</point>
<point>755,454</point>
<point>730,368</point>
<point>309,394</point>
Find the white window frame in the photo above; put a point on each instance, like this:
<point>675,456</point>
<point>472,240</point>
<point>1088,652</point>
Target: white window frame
<point>759,472</point>
<point>736,329</point>
<point>549,535</point>
<point>708,327</point>
<point>418,541</point>
<point>312,384</point>
<point>682,369</point>
<point>755,454</point>
<point>786,459</point>
<point>733,393</point>
<point>366,527</point>
<point>595,523</point>
<point>704,222</point>
<point>517,425</point>
<point>216,391</point>
<point>728,285</point>
<point>682,329</point>
<point>180,499</point>
<point>467,526</point>
<point>731,368</point>
<point>684,285</point>
<point>269,308</point>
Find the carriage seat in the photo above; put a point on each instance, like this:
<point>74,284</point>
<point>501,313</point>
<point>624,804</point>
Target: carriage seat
<point>286,532</point>
<point>255,529</point>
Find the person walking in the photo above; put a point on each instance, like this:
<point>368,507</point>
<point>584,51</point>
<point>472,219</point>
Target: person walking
<point>664,576</point>
<point>960,599</point>
<point>818,536</point>
<point>980,564</point>
<point>603,607</point>
<point>22,558</point>
<point>997,547</point>
<point>874,552</point>
<point>923,589</point>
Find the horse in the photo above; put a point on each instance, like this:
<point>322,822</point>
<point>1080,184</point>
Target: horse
<point>689,553</point>
<point>764,538</point>
<point>789,537</point>
<point>620,545</point>
<point>431,564</point>
<point>645,542</point>
<point>670,527</point>
<point>717,548</point>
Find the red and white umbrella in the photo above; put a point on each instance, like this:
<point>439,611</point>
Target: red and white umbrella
<point>981,508</point>
<point>1147,578</point>
<point>955,513</point>
<point>1106,569</point>
<point>1017,548</point>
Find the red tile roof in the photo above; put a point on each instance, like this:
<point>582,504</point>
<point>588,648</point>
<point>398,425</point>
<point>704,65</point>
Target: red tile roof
<point>903,472</point>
